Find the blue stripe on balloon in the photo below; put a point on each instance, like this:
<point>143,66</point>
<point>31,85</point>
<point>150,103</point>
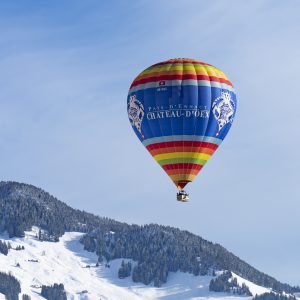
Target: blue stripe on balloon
<point>175,138</point>
<point>186,82</point>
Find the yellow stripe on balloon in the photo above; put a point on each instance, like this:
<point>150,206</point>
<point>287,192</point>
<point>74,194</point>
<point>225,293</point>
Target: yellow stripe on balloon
<point>182,177</point>
<point>202,156</point>
<point>186,68</point>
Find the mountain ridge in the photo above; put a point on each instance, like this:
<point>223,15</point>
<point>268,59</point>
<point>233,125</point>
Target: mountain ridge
<point>43,209</point>
<point>158,250</point>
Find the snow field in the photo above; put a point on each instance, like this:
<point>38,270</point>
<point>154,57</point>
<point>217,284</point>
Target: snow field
<point>46,263</point>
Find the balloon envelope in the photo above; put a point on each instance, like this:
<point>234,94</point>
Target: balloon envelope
<point>181,110</point>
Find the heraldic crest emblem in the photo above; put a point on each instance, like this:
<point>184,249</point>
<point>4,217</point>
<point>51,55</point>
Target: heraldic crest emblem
<point>135,113</point>
<point>223,109</point>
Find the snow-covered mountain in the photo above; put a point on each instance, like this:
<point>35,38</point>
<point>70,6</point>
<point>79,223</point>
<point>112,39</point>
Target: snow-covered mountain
<point>46,263</point>
<point>45,242</point>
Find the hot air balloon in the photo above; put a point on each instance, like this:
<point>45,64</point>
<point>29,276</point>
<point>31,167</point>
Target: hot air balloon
<point>181,110</point>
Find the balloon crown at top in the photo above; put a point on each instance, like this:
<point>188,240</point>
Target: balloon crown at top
<point>182,60</point>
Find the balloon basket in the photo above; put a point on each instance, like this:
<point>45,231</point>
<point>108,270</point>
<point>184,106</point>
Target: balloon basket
<point>182,196</point>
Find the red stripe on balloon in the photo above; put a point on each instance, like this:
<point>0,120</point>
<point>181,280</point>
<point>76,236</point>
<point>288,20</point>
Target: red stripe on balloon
<point>179,77</point>
<point>185,166</point>
<point>182,144</point>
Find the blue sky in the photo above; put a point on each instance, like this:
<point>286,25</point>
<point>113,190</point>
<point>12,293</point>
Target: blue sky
<point>66,67</point>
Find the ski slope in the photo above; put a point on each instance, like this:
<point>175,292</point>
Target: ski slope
<point>46,263</point>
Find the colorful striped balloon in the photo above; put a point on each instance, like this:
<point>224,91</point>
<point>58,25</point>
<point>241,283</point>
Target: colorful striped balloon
<point>181,110</point>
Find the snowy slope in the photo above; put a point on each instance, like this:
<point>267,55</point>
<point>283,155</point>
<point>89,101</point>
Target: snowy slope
<point>66,262</point>
<point>254,288</point>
